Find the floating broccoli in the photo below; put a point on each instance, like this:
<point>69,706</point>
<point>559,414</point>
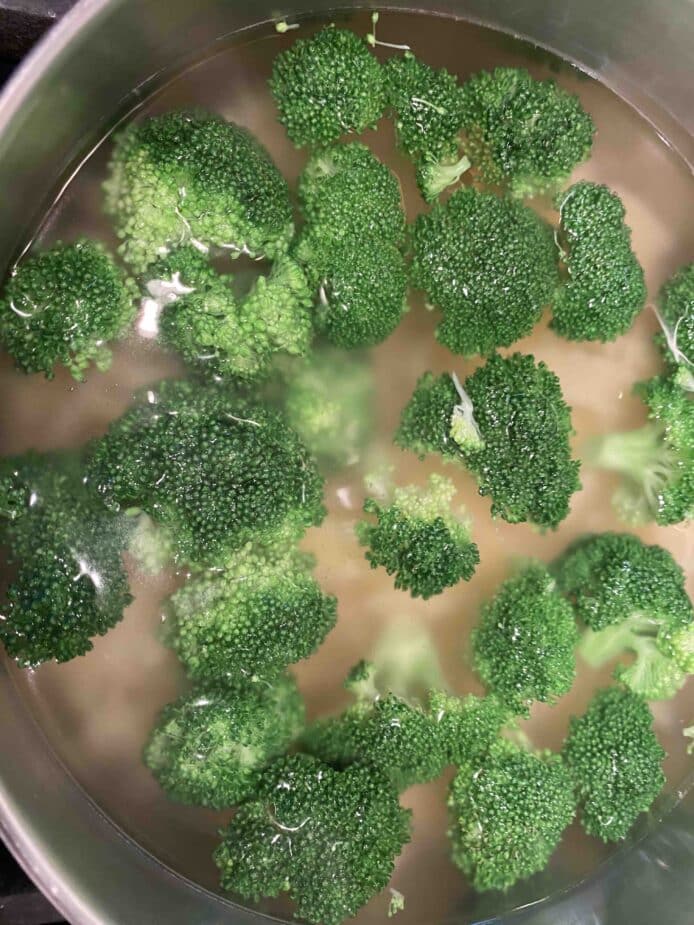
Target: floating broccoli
<point>209,745</point>
<point>676,316</point>
<point>327,838</point>
<point>419,540</point>
<point>604,287</point>
<point>191,177</point>
<point>615,760</point>
<point>62,306</point>
<point>467,726</point>
<point>489,265</point>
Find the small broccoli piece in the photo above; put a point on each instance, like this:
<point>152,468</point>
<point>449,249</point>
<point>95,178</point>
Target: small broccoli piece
<point>426,422</point>
<point>326,86</point>
<point>62,306</point>
<point>508,808</point>
<point>604,287</point>
<point>656,461</point>
<point>328,838</point>
<point>522,133</point>
<point>463,249</point>
<point>676,316</point>
<point>419,539</point>
<point>191,177</point>
<point>467,726</point>
<point>615,761</point>
<point>524,644</point>
<point>260,615</point>
<point>209,745</point>
<point>215,470</point>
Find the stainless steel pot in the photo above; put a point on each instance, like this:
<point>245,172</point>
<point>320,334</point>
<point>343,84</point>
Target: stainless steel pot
<point>99,61</point>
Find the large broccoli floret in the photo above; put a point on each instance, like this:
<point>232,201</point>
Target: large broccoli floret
<point>328,838</point>
<point>419,539</point>
<point>62,306</point>
<point>525,134</point>
<point>508,808</point>
<point>191,177</point>
<point>251,621</point>
<point>604,288</point>
<point>676,317</point>
<point>489,264</point>
<point>213,469</point>
<point>209,745</point>
<point>524,643</point>
<point>615,760</point>
<point>656,461</point>
<point>326,86</point>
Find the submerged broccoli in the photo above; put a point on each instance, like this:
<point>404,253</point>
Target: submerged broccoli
<point>525,134</point>
<point>615,761</point>
<point>489,264</point>
<point>326,86</point>
<point>419,539</point>
<point>213,469</point>
<point>209,745</point>
<point>62,306</point>
<point>191,177</point>
<point>328,838</point>
<point>604,288</point>
<point>676,316</point>
<point>524,643</point>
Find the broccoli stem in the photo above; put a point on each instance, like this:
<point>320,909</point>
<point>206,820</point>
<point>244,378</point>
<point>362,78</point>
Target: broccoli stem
<point>373,41</point>
<point>443,174</point>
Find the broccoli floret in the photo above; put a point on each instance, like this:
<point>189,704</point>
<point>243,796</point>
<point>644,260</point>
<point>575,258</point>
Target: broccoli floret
<point>467,726</point>
<point>604,287</point>
<point>326,86</point>
<point>253,620</point>
<point>508,810</point>
<point>62,306</point>
<point>522,133</point>
<point>524,643</point>
<point>676,316</point>
<point>419,539</point>
<point>215,470</point>
<point>191,177</point>
<point>615,761</point>
<point>328,838</point>
<point>656,461</point>
<point>489,264</point>
<point>209,745</point>
<point>426,421</point>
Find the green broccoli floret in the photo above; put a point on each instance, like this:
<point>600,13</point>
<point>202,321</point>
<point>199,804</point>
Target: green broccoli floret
<point>62,306</point>
<point>522,133</point>
<point>467,726</point>
<point>615,761</point>
<point>191,177</point>
<point>489,265</point>
<point>326,86</point>
<point>508,810</point>
<point>510,425</point>
<point>419,539</point>
<point>209,746</point>
<point>261,614</point>
<point>215,470</point>
<point>656,461</point>
<point>604,287</point>
<point>524,643</point>
<point>70,584</point>
<point>676,316</point>
<point>328,838</point>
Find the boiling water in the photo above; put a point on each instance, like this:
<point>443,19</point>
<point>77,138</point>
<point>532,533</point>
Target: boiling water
<point>98,710</point>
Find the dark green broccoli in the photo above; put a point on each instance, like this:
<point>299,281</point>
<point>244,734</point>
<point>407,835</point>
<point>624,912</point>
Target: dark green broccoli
<point>604,287</point>
<point>522,133</point>
<point>326,86</point>
<point>215,470</point>
<point>524,643</point>
<point>261,614</point>
<point>467,726</point>
<point>70,584</point>
<point>439,419</point>
<point>328,838</point>
<point>191,177</point>
<point>656,461</point>
<point>62,306</point>
<point>508,809</point>
<point>489,265</point>
<point>209,746</point>
<point>676,316</point>
<point>419,539</point>
<point>615,760</point>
